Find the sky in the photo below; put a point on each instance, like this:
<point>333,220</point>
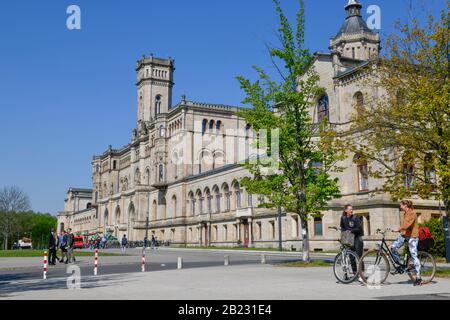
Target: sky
<point>66,95</point>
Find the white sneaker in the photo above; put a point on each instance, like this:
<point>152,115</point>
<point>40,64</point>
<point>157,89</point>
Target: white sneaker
<point>360,280</point>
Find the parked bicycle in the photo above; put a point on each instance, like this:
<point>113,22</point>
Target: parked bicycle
<point>378,263</point>
<point>346,263</point>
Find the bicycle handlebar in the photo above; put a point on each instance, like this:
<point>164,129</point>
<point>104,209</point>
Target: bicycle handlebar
<point>383,232</point>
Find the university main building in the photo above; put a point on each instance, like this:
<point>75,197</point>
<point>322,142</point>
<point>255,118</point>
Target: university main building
<point>180,170</point>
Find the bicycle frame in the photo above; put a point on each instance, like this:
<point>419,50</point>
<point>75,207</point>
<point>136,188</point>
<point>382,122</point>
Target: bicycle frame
<point>387,251</point>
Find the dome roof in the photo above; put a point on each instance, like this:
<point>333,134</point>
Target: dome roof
<point>353,23</point>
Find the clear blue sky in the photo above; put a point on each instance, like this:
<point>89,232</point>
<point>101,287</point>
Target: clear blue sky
<point>66,95</point>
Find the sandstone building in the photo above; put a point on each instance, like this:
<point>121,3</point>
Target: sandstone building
<point>180,169</point>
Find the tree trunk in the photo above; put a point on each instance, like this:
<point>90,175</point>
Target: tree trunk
<point>305,240</point>
<point>6,242</point>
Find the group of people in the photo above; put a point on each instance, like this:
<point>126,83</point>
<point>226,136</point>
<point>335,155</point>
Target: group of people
<point>409,234</point>
<point>63,241</point>
<point>97,243</point>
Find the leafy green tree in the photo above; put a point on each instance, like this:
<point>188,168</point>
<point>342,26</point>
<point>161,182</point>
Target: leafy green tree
<point>436,227</point>
<point>404,130</point>
<point>307,152</point>
<point>12,200</point>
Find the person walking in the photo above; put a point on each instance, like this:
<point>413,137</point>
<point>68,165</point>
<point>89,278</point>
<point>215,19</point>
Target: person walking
<point>70,244</point>
<point>352,223</point>
<point>152,242</point>
<point>409,233</point>
<point>63,245</point>
<point>124,243</point>
<point>52,248</point>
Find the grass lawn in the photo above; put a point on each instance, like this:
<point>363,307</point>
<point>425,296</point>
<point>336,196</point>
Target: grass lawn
<point>40,253</point>
<point>302,264</point>
<point>442,273</point>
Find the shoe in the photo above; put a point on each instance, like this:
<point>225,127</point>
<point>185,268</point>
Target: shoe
<point>360,280</point>
<point>67,262</point>
<point>418,282</point>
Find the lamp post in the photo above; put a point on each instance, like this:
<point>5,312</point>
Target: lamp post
<point>280,240</point>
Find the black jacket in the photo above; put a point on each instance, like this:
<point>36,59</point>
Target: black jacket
<point>51,241</point>
<point>353,224</point>
<point>70,240</point>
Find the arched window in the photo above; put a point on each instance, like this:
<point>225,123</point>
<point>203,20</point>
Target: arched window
<point>208,198</point>
<point>218,127</point>
<point>216,193</point>
<point>157,105</point>
<point>226,193</point>
<point>362,173</point>
<point>174,207</point>
<point>199,197</point>
<point>211,126</point>
<point>358,101</point>
<point>131,212</point>
<point>162,131</point>
<point>323,108</point>
<point>137,177</point>
<point>237,193</point>
<point>106,217</point>
<point>117,219</point>
<point>192,203</point>
<point>161,173</point>
<point>408,172</point>
<point>204,125</point>
<point>147,176</point>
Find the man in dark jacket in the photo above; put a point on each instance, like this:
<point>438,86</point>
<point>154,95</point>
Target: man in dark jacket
<point>352,223</point>
<point>70,243</point>
<point>52,248</point>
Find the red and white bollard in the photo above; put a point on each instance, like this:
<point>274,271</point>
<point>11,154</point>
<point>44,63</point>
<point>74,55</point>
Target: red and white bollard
<point>96,262</point>
<point>45,265</point>
<point>143,260</point>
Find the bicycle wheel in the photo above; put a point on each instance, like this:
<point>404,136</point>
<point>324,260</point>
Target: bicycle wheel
<point>374,267</point>
<point>342,267</point>
<point>427,267</point>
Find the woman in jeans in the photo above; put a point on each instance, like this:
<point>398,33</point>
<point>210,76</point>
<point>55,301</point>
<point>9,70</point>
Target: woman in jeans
<point>409,234</point>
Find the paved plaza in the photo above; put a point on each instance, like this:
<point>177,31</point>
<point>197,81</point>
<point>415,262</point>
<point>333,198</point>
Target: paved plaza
<point>203,277</point>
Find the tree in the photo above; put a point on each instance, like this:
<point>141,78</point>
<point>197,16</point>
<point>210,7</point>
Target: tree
<point>307,152</point>
<point>404,131</point>
<point>12,200</point>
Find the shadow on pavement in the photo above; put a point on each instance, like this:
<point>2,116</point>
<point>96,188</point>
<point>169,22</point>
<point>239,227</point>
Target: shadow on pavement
<point>8,289</point>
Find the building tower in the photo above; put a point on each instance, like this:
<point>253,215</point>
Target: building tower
<point>154,83</point>
<point>354,40</point>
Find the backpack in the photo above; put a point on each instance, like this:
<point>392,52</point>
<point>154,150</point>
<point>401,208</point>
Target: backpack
<point>424,233</point>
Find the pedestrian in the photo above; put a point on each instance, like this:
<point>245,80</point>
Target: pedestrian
<point>70,244</point>
<point>52,248</point>
<point>352,223</point>
<point>63,245</point>
<point>124,243</point>
<point>103,242</point>
<point>409,233</point>
<point>145,242</point>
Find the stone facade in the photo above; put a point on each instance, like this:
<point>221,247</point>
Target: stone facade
<point>180,170</point>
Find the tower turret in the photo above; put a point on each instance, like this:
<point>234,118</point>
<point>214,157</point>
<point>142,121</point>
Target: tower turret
<point>154,84</point>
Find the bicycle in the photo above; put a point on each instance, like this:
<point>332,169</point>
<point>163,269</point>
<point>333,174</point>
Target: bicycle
<point>378,262</point>
<point>346,262</point>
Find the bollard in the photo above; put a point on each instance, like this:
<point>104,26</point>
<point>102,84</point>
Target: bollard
<point>180,263</point>
<point>227,260</point>
<point>45,265</point>
<point>143,260</point>
<point>263,259</point>
<point>96,262</point>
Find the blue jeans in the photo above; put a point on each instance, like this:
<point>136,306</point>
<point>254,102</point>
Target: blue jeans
<point>412,244</point>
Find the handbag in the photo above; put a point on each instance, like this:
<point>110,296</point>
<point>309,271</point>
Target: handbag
<point>348,238</point>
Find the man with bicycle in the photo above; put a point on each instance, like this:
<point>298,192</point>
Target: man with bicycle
<point>409,233</point>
